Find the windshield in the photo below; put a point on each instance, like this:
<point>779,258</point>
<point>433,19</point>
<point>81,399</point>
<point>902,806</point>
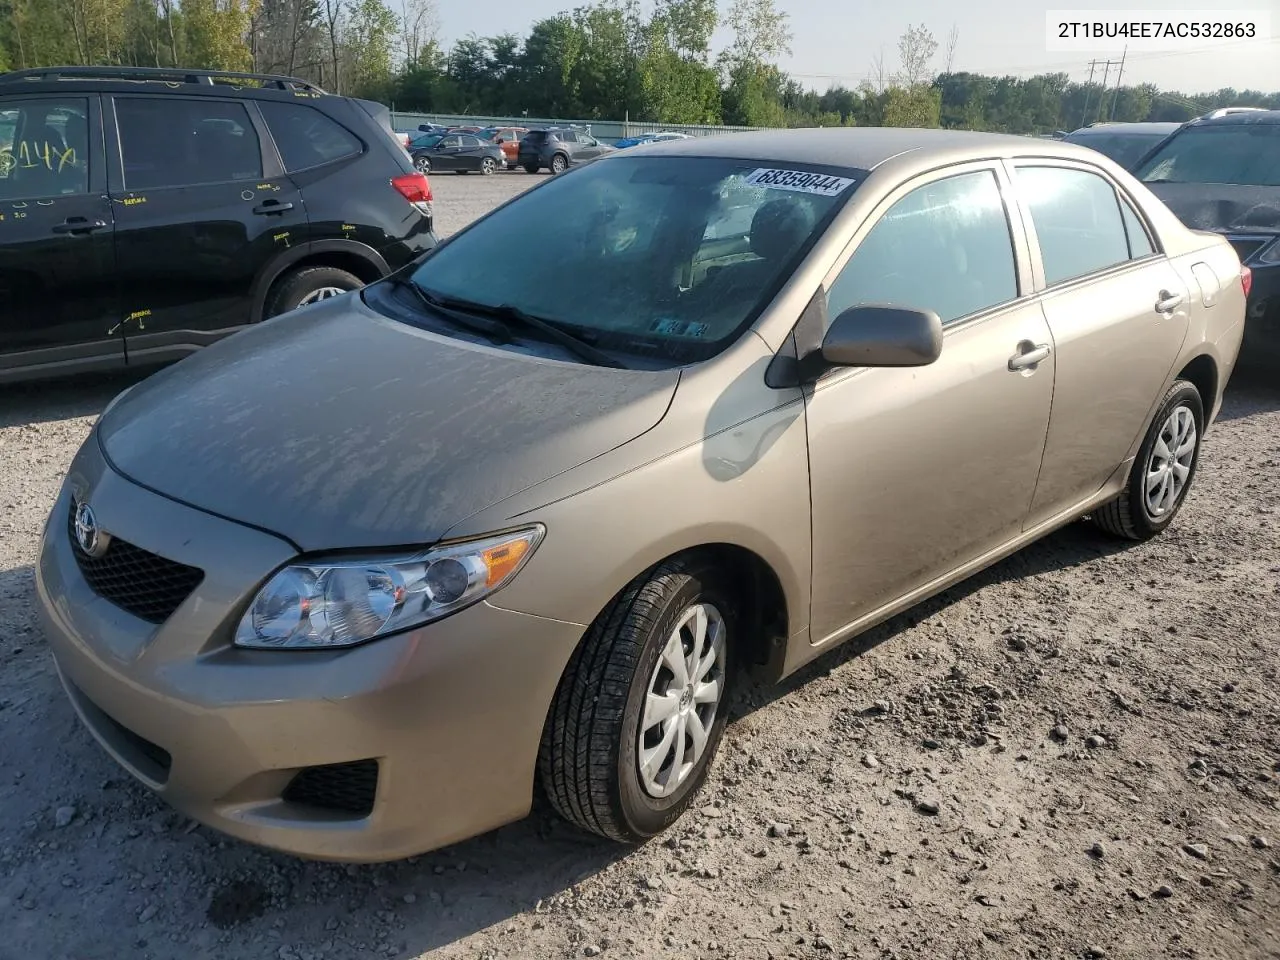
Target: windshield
<point>1241,153</point>
<point>670,257</point>
<point>1125,149</point>
<point>429,140</point>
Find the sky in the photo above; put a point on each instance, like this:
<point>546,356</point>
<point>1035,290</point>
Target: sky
<point>835,41</point>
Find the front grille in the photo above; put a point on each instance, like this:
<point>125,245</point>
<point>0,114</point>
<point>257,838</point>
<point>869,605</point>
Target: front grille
<point>1246,247</point>
<point>339,787</point>
<point>146,585</point>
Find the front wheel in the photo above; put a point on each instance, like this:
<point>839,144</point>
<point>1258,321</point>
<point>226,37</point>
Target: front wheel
<point>1163,470</point>
<point>488,165</point>
<point>641,708</point>
<point>559,163</point>
<point>423,164</point>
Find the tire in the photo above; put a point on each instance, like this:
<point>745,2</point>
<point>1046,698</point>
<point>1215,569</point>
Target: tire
<point>559,163</point>
<point>1131,515</point>
<point>487,166</point>
<point>589,762</point>
<point>297,287</point>
<point>530,168</point>
<point>422,164</point>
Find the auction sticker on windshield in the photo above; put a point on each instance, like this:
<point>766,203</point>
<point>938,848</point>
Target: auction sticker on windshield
<point>800,181</point>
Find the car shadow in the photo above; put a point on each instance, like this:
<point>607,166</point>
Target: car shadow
<point>41,402</point>
<point>1250,391</point>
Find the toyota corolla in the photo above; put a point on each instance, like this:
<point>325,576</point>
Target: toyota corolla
<point>355,582</point>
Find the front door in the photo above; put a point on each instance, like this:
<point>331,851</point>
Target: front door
<point>916,471</point>
<point>57,266</point>
<point>1118,312</point>
<point>200,209</point>
<point>447,154</point>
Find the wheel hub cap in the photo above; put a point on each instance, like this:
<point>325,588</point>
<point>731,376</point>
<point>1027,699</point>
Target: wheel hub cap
<point>682,700</point>
<point>1169,463</point>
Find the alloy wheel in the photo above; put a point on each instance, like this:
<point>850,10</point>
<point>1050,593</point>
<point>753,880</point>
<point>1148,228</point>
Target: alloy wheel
<point>324,293</point>
<point>1169,463</point>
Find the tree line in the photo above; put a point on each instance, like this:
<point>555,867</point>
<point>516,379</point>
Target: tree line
<point>611,59</point>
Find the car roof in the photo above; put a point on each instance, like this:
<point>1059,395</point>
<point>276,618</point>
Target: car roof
<point>863,148</point>
<point>1236,119</point>
<point>1140,127</point>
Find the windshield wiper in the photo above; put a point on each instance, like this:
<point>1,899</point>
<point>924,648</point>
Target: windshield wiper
<point>496,332</point>
<point>574,344</point>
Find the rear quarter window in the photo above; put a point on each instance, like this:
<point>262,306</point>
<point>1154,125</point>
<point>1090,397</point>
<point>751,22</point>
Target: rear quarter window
<point>305,137</point>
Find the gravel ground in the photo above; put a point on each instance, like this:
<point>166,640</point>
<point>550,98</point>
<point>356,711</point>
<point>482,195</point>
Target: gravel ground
<point>1076,754</point>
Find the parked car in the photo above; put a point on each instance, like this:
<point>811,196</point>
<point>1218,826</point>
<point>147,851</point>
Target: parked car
<point>1222,173</point>
<point>1125,143</point>
<point>147,213</point>
<point>351,583</point>
<point>508,138</point>
<point>557,149</point>
<point>458,152</point>
<point>649,138</point>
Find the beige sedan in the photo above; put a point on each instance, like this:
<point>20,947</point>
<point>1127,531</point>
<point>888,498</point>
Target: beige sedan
<point>356,582</point>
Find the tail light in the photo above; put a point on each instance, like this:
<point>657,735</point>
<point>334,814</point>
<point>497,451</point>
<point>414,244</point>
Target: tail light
<point>416,188</point>
<point>1246,280</point>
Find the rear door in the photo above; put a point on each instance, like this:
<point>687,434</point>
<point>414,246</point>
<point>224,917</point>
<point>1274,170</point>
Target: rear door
<point>471,150</point>
<point>447,154</point>
<point>201,207</point>
<point>57,269</point>
<point>1118,311</point>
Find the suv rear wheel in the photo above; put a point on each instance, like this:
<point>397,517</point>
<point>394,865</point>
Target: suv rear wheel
<point>307,285</point>
<point>530,168</point>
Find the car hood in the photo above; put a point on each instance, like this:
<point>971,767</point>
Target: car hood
<point>335,427</point>
<point>1222,207</point>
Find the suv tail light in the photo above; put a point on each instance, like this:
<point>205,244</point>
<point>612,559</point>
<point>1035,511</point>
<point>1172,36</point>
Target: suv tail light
<point>416,188</point>
<point>1246,280</point>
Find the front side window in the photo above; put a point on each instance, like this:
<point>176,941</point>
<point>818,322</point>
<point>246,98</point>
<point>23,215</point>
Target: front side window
<point>1247,154</point>
<point>666,257</point>
<point>44,148</point>
<point>944,247</point>
<point>1077,219</point>
<point>171,142</point>
<point>305,137</point>
<point>1124,149</point>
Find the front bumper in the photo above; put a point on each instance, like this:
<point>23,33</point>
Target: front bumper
<point>451,714</point>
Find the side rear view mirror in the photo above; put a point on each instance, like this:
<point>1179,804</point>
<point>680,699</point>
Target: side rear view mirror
<point>882,336</point>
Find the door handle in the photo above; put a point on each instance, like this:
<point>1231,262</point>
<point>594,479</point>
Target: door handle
<point>272,206</point>
<point>74,225</point>
<point>1168,302</point>
<point>1029,354</point>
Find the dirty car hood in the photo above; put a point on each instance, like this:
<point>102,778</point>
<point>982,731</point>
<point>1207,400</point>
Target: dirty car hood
<point>335,427</point>
<point>1222,207</point>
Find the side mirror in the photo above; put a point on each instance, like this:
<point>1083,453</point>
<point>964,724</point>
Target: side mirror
<point>882,336</point>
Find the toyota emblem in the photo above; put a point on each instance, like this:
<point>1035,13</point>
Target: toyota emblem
<point>91,540</point>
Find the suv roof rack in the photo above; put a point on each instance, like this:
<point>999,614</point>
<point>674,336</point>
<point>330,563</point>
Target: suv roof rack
<point>1228,111</point>
<point>162,74</point>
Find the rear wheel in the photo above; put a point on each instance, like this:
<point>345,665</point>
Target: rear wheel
<point>530,168</point>
<point>308,285</point>
<point>488,165</point>
<point>423,164</point>
<point>641,707</point>
<point>1163,470</point>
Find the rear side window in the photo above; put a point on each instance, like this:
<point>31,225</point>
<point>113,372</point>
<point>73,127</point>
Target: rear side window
<point>305,137</point>
<point>170,142</point>
<point>944,247</point>
<point>1139,242</point>
<point>1077,219</point>
<point>44,148</point>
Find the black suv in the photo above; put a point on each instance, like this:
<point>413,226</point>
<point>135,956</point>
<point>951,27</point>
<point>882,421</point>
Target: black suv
<point>1222,173</point>
<point>557,148</point>
<point>145,213</point>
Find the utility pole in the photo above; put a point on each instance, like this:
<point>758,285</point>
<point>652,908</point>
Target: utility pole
<point>1088,91</point>
<point>1116,96</point>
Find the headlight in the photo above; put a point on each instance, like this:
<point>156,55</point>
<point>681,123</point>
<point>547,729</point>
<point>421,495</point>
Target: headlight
<point>339,603</point>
